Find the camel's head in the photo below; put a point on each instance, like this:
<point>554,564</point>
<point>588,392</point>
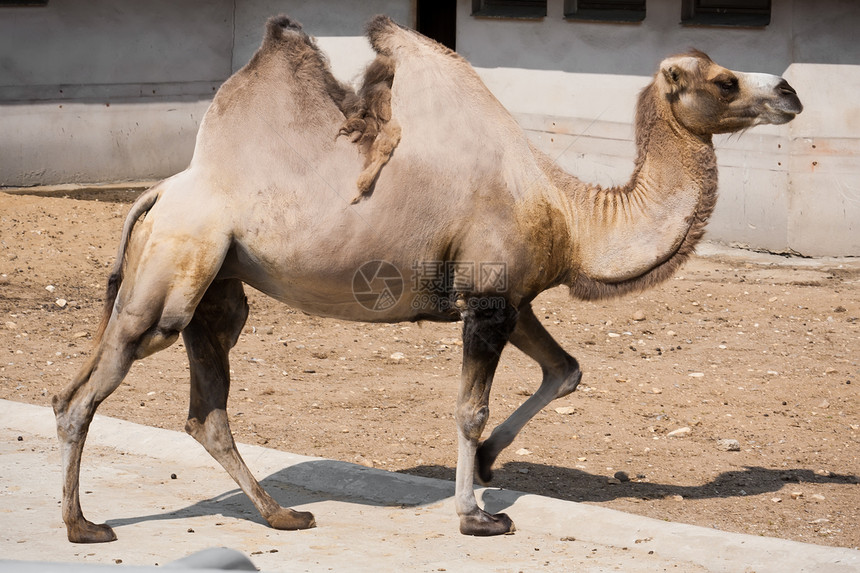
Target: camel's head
<point>707,98</point>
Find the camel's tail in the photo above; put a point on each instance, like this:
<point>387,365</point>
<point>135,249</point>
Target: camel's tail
<point>143,204</point>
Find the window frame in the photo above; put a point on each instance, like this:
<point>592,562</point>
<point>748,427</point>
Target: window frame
<point>616,12</point>
<point>726,13</point>
<point>510,9</point>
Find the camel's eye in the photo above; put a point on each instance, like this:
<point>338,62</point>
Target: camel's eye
<point>727,86</point>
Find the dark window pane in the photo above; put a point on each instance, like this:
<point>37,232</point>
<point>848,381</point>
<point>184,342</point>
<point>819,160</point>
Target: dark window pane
<point>749,13</point>
<point>509,8</point>
<point>605,10</point>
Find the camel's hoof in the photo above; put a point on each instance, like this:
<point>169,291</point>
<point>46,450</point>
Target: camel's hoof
<point>482,524</point>
<point>484,465</point>
<point>88,532</point>
<point>290,519</point>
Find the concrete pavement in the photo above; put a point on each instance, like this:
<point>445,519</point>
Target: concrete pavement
<point>368,519</point>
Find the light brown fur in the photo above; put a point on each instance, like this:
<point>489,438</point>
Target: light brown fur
<point>269,200</point>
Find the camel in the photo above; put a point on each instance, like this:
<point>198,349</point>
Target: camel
<point>453,201</point>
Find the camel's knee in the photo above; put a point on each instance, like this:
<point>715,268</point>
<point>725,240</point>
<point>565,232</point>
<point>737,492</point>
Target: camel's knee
<point>568,379</point>
<point>212,432</point>
<point>471,420</point>
<point>196,429</point>
<point>63,398</point>
<point>75,405</point>
<point>71,426</point>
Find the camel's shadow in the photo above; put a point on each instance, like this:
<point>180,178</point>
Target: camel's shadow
<point>114,194</point>
<point>326,480</point>
<point>311,482</point>
<point>576,485</point>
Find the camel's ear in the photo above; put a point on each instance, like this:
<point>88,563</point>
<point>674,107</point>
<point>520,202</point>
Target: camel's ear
<point>678,72</point>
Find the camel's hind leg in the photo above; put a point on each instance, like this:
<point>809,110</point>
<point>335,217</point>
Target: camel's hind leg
<point>561,375</point>
<point>208,338</point>
<point>74,408</point>
<point>165,279</point>
<point>129,336</point>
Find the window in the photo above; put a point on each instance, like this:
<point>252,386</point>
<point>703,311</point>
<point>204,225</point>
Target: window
<point>437,19</point>
<point>605,11</point>
<point>745,13</point>
<point>529,9</point>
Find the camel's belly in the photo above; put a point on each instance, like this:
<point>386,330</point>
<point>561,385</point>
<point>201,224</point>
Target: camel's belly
<point>368,289</point>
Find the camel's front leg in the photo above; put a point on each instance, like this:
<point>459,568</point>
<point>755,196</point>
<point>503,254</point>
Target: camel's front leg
<point>561,375</point>
<point>485,333</point>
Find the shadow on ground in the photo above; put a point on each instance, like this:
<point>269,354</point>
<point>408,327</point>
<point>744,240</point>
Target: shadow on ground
<point>109,195</point>
<point>324,480</point>
<point>576,485</point>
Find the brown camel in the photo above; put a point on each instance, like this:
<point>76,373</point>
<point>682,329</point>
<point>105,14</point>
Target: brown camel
<point>466,221</point>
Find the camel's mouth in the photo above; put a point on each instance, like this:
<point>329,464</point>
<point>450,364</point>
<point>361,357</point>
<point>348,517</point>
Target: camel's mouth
<point>781,117</point>
<point>777,110</point>
<point>783,110</point>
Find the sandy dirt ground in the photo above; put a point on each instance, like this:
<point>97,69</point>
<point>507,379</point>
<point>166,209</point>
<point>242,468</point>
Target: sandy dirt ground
<point>725,398</point>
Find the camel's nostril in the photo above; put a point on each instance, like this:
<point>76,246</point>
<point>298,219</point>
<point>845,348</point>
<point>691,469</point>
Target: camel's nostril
<point>785,88</point>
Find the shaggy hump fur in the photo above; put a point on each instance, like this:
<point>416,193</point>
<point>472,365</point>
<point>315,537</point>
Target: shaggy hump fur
<point>367,114</point>
<point>277,24</point>
<point>384,35</point>
<point>369,123</point>
<point>285,37</point>
<point>377,29</point>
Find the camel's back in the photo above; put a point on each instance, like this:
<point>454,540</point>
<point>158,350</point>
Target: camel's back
<point>274,124</point>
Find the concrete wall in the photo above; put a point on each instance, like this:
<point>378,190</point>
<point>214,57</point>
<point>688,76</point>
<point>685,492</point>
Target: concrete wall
<point>96,90</point>
<point>114,90</point>
<point>110,90</point>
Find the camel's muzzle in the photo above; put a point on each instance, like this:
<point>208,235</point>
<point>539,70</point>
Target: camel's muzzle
<point>788,98</point>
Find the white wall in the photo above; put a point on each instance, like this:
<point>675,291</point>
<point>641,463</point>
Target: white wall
<point>101,90</point>
<point>111,90</point>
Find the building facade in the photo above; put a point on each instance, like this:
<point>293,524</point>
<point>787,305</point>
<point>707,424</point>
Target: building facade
<point>95,91</point>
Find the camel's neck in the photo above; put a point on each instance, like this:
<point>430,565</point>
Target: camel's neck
<point>632,236</point>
